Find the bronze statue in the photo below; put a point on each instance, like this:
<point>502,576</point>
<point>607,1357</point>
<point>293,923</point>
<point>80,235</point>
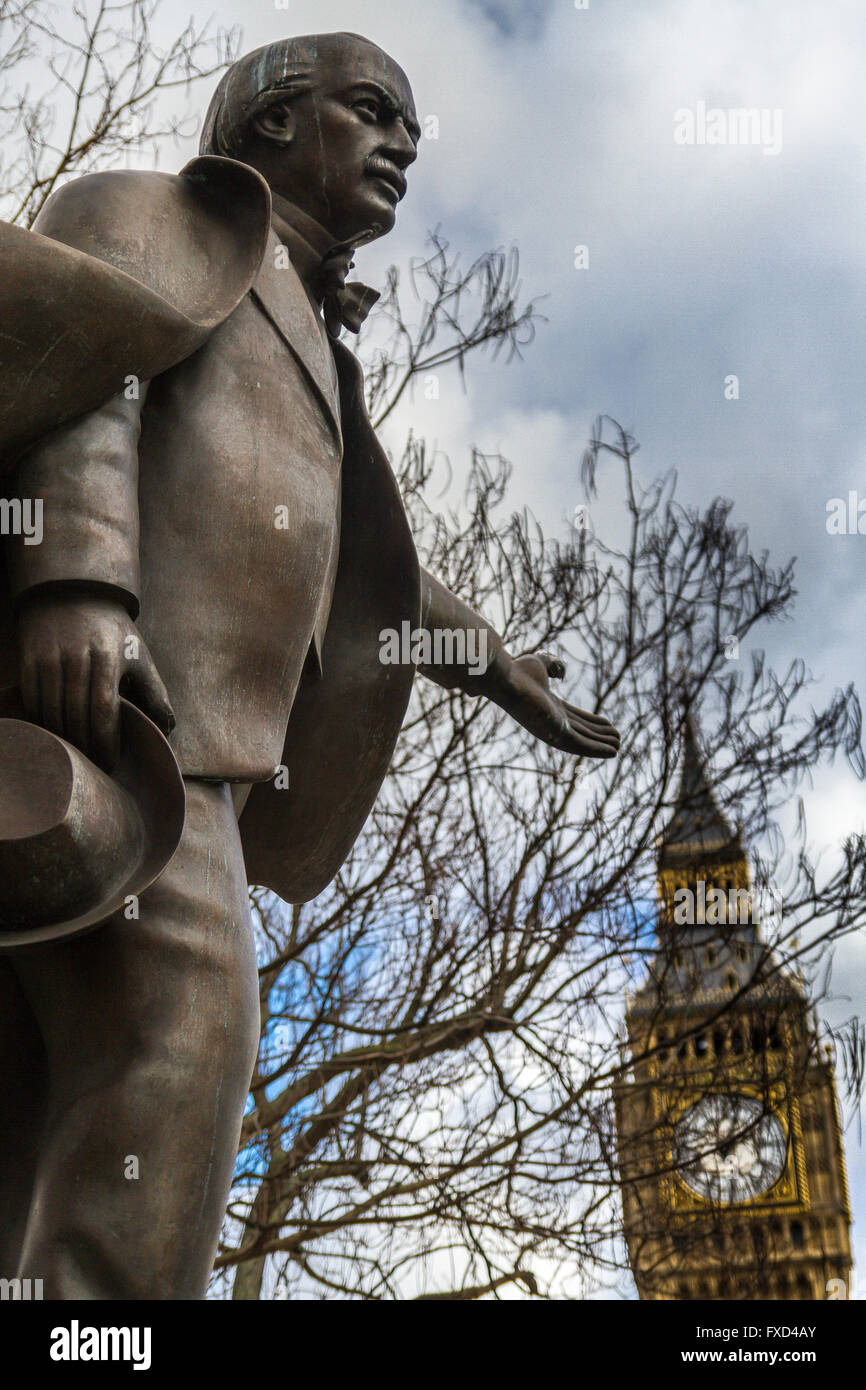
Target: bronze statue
<point>223,545</point>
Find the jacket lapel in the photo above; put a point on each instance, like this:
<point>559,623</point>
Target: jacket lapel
<point>282,297</point>
<point>343,727</point>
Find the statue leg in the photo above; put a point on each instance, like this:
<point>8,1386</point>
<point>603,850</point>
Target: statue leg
<point>151,1029</point>
<point>22,1107</point>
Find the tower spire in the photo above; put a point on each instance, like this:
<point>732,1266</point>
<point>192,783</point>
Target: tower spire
<point>697,830</point>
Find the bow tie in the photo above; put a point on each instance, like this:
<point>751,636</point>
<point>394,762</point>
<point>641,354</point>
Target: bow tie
<point>344,306</point>
<point>324,265</point>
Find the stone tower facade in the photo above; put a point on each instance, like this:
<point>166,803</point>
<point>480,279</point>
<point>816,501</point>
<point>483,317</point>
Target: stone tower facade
<point>730,1149</point>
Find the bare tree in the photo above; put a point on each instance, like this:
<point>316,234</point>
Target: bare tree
<point>457,312</point>
<point>80,89</point>
<point>432,1115</point>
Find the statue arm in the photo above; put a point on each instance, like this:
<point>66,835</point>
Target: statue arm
<point>86,475</point>
<point>77,591</point>
<point>488,660</point>
<point>519,685</point>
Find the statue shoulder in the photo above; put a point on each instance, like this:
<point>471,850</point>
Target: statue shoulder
<point>167,230</point>
<point>124,273</point>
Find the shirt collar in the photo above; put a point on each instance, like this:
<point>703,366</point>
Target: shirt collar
<point>308,241</point>
<point>323,264</point>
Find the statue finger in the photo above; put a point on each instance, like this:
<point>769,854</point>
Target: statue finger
<point>595,739</point>
<point>149,693</point>
<point>553,665</point>
<point>104,708</point>
<point>50,699</point>
<point>598,720</point>
<point>77,699</point>
<point>29,682</point>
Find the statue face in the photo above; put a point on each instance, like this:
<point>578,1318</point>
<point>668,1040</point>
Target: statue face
<point>340,151</point>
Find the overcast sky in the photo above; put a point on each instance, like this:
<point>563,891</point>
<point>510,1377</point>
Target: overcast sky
<point>556,129</point>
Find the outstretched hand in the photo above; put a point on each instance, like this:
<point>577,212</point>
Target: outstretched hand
<point>529,699</point>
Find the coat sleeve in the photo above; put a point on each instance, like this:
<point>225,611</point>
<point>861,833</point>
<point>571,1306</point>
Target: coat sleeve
<point>86,476</point>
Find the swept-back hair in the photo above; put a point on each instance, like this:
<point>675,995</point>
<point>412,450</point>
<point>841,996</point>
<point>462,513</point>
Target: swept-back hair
<point>277,72</point>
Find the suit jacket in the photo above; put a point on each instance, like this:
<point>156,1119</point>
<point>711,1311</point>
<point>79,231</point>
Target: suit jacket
<point>244,512</point>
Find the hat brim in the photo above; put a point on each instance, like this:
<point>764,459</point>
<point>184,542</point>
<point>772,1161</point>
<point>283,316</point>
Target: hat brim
<point>148,771</point>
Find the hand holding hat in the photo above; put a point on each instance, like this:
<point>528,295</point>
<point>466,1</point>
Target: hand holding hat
<point>78,649</point>
<point>76,843</point>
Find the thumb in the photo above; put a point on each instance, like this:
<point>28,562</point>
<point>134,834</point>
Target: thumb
<point>554,667</point>
<point>145,688</point>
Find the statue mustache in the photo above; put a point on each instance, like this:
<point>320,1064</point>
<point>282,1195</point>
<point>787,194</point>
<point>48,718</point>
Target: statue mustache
<point>375,164</point>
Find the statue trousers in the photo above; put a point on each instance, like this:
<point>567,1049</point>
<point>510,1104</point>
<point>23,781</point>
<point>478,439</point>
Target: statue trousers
<point>125,1062</point>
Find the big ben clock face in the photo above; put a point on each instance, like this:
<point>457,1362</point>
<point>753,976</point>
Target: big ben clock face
<point>728,1149</point>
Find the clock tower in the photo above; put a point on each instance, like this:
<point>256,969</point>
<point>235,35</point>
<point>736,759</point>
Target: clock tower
<point>730,1149</point>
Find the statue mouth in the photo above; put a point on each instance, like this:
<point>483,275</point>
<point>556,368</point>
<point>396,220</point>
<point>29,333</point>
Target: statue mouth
<point>387,174</point>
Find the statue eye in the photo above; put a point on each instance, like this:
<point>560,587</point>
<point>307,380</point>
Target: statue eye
<point>369,105</point>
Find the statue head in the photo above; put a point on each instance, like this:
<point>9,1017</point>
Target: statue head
<point>330,123</point>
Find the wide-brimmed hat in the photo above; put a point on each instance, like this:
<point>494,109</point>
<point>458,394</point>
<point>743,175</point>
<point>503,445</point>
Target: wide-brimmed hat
<point>75,843</point>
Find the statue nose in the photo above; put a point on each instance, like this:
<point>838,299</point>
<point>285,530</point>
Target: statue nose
<point>400,147</point>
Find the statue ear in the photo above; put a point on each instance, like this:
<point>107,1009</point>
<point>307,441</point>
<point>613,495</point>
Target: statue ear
<point>275,122</point>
